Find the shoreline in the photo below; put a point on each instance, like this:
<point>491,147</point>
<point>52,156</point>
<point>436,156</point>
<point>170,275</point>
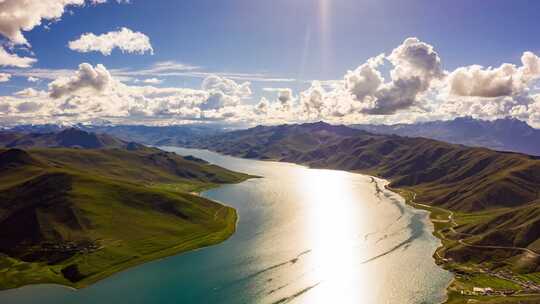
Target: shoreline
<point>436,256</point>
<point>428,221</point>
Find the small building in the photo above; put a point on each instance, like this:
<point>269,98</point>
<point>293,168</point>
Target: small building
<point>480,290</point>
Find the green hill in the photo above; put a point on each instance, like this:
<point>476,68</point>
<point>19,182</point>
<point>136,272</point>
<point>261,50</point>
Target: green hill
<point>74,216</point>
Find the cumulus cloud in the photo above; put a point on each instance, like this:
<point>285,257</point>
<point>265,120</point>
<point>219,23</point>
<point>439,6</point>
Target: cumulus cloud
<point>97,78</point>
<point>285,97</point>
<point>13,60</point>
<point>415,66</point>
<point>4,77</point>
<point>366,79</point>
<point>215,83</point>
<point>22,15</point>
<point>217,100</point>
<point>124,39</point>
<point>312,99</point>
<point>223,92</point>
<point>261,108</point>
<point>414,58</point>
<point>506,80</point>
<point>418,83</point>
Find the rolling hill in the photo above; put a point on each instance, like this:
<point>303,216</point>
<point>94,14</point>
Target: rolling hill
<point>487,190</point>
<point>74,216</point>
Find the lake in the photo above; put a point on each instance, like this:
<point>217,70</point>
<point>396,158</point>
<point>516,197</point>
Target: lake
<point>304,236</point>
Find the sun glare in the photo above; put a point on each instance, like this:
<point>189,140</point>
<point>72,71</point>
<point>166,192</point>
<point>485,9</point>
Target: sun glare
<point>334,257</point>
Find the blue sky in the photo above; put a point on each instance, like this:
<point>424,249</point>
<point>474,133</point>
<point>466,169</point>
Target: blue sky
<point>269,36</point>
<point>303,40</point>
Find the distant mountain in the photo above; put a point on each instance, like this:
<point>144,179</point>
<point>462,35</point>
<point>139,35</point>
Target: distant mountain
<point>274,142</point>
<point>45,128</point>
<point>456,177</point>
<point>63,138</point>
<point>149,135</point>
<point>157,135</point>
<point>75,216</point>
<point>502,134</point>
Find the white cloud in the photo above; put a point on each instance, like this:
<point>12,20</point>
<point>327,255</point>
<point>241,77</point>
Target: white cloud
<point>261,108</point>
<point>366,79</point>
<point>97,78</point>
<point>217,100</point>
<point>313,100</point>
<point>152,81</point>
<point>506,80</point>
<point>13,60</point>
<point>4,77</point>
<point>23,15</point>
<point>414,87</point>
<point>124,39</point>
<point>32,79</point>
<point>415,66</point>
<point>215,83</point>
<point>29,92</point>
<point>285,96</point>
<point>92,93</point>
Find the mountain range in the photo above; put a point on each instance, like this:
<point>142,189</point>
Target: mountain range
<point>491,198</point>
<point>149,135</point>
<point>508,134</point>
<point>66,138</point>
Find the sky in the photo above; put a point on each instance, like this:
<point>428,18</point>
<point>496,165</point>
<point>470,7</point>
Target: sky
<point>266,62</point>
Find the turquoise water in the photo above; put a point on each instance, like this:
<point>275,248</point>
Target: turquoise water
<point>304,236</point>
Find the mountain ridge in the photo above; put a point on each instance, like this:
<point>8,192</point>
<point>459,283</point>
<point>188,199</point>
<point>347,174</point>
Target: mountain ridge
<point>507,134</point>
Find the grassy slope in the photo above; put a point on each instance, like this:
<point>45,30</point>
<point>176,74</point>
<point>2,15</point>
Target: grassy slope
<point>76,216</point>
<point>491,194</point>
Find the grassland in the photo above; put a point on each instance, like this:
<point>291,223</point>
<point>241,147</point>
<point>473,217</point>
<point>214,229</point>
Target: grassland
<point>73,217</point>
